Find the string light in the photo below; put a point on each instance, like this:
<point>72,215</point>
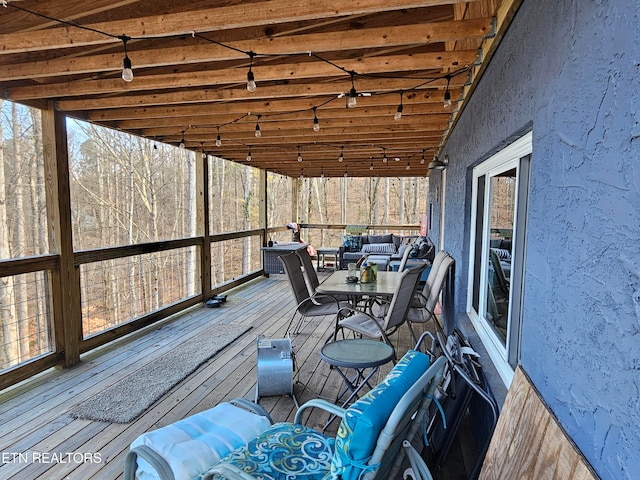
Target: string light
<point>218,139</point>
<point>422,158</point>
<point>408,167</point>
<point>127,72</point>
<point>447,94</point>
<point>299,155</point>
<point>321,172</point>
<point>181,146</point>
<point>258,132</point>
<point>353,94</point>
<point>371,165</point>
<point>249,154</point>
<point>316,123</point>
<point>251,81</point>
<point>384,156</point>
<point>341,157</point>
<point>398,114</point>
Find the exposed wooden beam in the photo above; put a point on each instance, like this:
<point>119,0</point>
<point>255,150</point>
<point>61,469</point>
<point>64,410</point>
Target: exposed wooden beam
<point>406,35</point>
<point>425,105</point>
<point>216,118</point>
<point>209,78</point>
<point>204,20</point>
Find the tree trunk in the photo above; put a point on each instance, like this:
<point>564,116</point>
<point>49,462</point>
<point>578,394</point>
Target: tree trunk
<point>9,343</point>
<point>21,296</point>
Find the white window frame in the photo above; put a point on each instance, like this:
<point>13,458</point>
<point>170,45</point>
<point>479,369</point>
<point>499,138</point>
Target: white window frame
<point>506,159</point>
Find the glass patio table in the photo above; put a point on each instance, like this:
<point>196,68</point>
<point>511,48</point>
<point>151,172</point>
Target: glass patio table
<point>359,355</point>
<point>336,284</point>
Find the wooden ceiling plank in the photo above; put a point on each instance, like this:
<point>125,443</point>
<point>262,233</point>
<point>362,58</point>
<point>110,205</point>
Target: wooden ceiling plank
<point>203,20</point>
<point>21,21</point>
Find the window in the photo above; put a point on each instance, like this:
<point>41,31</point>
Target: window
<point>499,198</point>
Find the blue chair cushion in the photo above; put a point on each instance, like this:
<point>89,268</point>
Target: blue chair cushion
<point>364,420</point>
<point>284,451</point>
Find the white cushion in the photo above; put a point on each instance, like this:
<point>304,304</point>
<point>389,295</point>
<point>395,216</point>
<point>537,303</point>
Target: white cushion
<point>192,445</point>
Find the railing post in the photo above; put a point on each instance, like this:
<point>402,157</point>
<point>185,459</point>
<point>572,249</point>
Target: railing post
<point>67,310</point>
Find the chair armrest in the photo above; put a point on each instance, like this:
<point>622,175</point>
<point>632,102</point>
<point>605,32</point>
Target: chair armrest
<point>252,407</point>
<point>319,403</point>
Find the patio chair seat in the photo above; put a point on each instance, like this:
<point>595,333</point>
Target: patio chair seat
<point>284,450</point>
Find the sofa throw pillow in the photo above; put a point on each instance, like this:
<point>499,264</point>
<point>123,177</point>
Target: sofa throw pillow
<point>363,421</point>
<point>380,248</point>
<point>423,248</point>
<point>352,243</point>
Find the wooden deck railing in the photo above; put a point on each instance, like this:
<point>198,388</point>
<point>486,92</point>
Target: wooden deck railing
<point>58,341</point>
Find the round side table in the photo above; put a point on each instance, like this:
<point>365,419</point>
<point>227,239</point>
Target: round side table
<point>358,354</point>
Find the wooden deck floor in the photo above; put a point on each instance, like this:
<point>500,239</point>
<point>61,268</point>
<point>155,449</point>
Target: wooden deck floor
<point>34,416</point>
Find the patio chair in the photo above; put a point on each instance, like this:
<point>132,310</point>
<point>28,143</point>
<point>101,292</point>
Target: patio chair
<point>371,439</point>
<point>422,308</point>
<point>405,256</point>
<point>311,278</point>
<point>390,315</point>
<point>308,306</point>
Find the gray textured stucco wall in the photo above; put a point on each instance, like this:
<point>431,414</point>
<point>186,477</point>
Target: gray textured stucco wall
<point>570,71</point>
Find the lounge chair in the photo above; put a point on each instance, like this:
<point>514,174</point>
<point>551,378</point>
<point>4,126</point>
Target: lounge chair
<point>371,439</point>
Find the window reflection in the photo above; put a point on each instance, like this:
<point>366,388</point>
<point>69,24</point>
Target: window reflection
<point>502,213</point>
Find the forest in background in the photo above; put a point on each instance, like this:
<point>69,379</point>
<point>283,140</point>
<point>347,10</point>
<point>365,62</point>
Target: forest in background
<point>127,190</point>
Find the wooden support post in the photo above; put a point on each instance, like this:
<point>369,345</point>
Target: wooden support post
<point>202,221</point>
<point>67,321</point>
<point>262,205</point>
<point>295,198</point>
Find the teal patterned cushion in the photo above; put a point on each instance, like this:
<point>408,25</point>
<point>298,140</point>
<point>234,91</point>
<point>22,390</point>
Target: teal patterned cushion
<point>285,451</point>
<point>364,420</point>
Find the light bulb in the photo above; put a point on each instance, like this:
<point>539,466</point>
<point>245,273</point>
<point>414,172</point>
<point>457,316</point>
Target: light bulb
<point>218,141</point>
<point>127,73</point>
<point>249,156</point>
<point>422,158</point>
<point>299,157</point>
<point>316,125</point>
<point>258,132</point>
<point>251,82</point>
<point>398,114</point>
<point>181,145</point>
<point>447,99</point>
<point>341,157</point>
<point>408,167</point>
<point>353,98</point>
<point>371,166</point>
